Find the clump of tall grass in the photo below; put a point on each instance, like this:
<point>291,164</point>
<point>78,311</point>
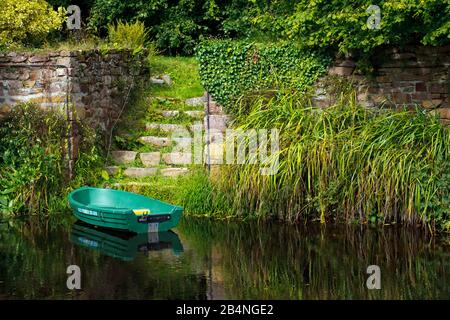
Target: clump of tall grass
<point>345,163</point>
<point>126,35</point>
<point>200,197</point>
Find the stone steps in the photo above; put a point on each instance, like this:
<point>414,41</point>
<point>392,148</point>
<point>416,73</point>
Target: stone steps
<point>177,158</point>
<point>165,127</point>
<point>137,172</point>
<point>112,170</point>
<point>196,114</point>
<point>156,141</point>
<point>197,101</point>
<point>183,142</point>
<point>171,127</point>
<point>173,172</point>
<point>150,159</point>
<point>168,164</point>
<point>123,156</point>
<point>134,172</point>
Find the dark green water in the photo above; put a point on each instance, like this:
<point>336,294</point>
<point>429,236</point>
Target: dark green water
<point>214,260</point>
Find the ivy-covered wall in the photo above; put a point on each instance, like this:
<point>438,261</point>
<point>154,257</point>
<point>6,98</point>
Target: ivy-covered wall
<point>409,76</point>
<point>229,69</point>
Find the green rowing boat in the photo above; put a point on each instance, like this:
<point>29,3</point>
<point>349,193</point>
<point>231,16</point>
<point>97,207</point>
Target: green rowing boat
<point>123,210</point>
<point>123,245</point>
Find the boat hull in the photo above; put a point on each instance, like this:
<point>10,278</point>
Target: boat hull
<point>122,210</point>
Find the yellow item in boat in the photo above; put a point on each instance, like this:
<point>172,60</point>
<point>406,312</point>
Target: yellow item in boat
<point>140,212</point>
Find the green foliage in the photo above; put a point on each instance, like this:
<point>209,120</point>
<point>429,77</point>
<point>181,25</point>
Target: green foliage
<point>200,197</point>
<point>229,69</point>
<point>124,35</point>
<point>176,26</point>
<point>342,25</point>
<point>335,25</point>
<point>345,163</point>
<point>27,21</point>
<point>33,174</point>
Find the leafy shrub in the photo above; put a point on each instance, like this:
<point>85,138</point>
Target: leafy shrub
<point>27,21</point>
<point>175,26</point>
<point>228,69</point>
<point>342,25</point>
<point>33,175</point>
<point>124,35</point>
<point>332,24</point>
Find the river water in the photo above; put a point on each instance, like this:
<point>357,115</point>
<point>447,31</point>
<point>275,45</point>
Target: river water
<point>202,259</point>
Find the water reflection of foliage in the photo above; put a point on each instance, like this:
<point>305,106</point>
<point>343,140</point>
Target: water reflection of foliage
<point>282,262</point>
<point>34,256</point>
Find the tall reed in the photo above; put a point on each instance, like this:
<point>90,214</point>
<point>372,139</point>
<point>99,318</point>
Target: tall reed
<point>346,163</point>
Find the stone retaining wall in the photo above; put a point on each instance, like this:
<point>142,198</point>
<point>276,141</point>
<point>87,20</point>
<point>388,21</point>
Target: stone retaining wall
<point>401,77</point>
<point>96,82</point>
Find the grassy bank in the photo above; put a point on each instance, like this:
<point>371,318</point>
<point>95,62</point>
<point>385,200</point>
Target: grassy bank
<point>345,163</point>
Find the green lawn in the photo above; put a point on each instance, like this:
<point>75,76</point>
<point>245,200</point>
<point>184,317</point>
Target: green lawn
<point>184,73</point>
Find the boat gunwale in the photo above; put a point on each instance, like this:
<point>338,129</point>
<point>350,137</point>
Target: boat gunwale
<point>116,211</point>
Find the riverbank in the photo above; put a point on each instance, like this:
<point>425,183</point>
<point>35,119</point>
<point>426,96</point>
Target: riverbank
<point>343,164</point>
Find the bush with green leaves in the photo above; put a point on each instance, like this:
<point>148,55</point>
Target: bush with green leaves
<point>27,22</point>
<point>33,161</point>
<point>230,69</point>
<point>342,25</point>
<point>175,26</point>
<point>333,24</point>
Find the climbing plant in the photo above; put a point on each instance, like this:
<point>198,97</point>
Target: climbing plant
<point>229,69</point>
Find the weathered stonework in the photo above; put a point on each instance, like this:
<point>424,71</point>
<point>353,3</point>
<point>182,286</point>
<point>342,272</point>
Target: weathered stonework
<point>414,76</point>
<point>96,83</point>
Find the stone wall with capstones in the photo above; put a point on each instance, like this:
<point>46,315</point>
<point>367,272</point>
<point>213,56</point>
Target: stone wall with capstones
<point>411,77</point>
<point>97,82</point>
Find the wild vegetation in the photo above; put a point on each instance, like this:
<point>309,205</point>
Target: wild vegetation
<point>33,161</point>
<point>176,27</point>
<point>345,163</point>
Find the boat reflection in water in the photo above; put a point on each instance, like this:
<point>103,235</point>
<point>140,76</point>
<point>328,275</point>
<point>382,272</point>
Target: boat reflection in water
<point>123,246</point>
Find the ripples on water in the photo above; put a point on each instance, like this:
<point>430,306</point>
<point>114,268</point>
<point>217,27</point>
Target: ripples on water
<point>217,260</point>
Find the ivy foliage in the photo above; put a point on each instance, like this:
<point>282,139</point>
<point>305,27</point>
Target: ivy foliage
<point>229,69</point>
